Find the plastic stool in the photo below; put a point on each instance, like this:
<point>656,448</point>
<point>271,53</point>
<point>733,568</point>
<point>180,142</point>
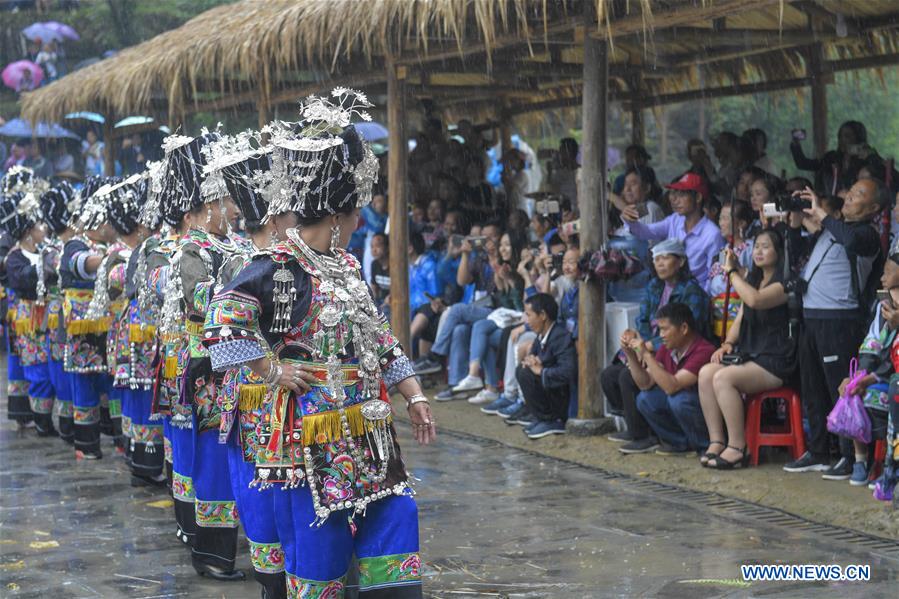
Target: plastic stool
<point>880,455</point>
<point>790,435</point>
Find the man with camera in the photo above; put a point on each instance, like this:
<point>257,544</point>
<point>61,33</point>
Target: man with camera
<point>843,256</point>
<point>701,237</point>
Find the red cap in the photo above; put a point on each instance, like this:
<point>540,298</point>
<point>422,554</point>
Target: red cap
<point>691,182</point>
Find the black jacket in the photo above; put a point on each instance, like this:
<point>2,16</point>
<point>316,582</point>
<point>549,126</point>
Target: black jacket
<point>559,358</point>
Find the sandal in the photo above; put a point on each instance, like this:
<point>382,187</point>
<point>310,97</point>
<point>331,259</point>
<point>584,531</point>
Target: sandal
<point>710,455</point>
<point>722,464</point>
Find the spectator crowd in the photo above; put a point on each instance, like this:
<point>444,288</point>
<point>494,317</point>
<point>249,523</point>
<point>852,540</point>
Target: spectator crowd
<point>747,280</point>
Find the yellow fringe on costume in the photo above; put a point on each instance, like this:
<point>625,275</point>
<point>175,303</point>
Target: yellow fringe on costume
<point>251,397</point>
<point>328,425</point>
<point>89,327</point>
<point>141,333</point>
<point>193,328</point>
<point>53,321</point>
<point>170,368</point>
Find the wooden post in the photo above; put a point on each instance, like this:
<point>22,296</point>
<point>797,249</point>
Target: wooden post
<point>505,128</point>
<point>263,109</point>
<point>593,202</point>
<point>638,126</point>
<point>397,205</point>
<point>109,154</point>
<point>819,99</point>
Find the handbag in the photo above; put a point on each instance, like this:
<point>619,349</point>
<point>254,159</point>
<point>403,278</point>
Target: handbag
<point>849,417</point>
<point>734,358</point>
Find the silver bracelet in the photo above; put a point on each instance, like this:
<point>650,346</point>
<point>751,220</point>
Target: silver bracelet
<point>274,373</point>
<point>418,398</point>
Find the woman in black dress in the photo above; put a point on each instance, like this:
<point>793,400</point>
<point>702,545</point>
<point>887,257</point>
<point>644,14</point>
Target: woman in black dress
<point>759,353</point>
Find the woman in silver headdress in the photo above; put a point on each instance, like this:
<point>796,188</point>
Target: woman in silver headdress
<point>301,317</point>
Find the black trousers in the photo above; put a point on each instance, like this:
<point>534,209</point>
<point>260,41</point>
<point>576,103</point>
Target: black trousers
<point>825,348</point>
<point>621,391</point>
<point>546,404</point>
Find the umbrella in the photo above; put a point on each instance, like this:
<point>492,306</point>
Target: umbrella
<point>15,71</point>
<point>86,116</point>
<point>62,29</point>
<point>51,30</point>
<point>22,128</point>
<point>130,121</point>
<point>40,31</point>
<point>371,131</point>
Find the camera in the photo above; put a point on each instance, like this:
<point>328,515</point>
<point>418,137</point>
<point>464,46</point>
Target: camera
<point>787,202</point>
<point>795,288</point>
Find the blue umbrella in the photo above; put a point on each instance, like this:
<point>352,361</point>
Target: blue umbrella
<point>371,131</point>
<point>22,128</point>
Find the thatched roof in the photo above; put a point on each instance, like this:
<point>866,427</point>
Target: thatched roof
<point>524,54</point>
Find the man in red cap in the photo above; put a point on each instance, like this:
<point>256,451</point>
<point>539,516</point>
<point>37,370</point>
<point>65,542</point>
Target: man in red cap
<point>701,236</point>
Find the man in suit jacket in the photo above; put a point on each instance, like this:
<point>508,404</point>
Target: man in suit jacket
<point>548,374</point>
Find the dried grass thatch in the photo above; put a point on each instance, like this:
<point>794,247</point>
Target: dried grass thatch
<point>273,51</point>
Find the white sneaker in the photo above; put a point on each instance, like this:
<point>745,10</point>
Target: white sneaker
<point>469,383</point>
<point>485,396</point>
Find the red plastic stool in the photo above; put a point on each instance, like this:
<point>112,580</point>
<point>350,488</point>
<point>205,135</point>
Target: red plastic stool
<point>789,435</point>
<point>880,455</point>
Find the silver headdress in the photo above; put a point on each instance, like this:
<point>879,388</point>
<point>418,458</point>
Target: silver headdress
<point>321,163</point>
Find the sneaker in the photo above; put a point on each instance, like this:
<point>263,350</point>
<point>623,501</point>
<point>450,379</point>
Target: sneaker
<point>469,383</point>
<point>512,408</point>
<point>622,437</point>
<point>544,429</point>
<point>873,482</point>
<point>670,450</point>
<point>639,446</point>
<point>484,396</point>
<point>501,402</point>
<point>859,476</point>
<point>806,463</point>
<point>523,417</point>
<point>446,395</point>
<point>427,365</point>
<point>842,470</point>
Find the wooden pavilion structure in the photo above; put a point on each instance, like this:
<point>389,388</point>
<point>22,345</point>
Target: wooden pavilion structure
<point>495,58</point>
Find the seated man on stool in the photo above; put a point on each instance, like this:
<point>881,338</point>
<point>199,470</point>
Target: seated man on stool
<point>669,400</point>
<point>548,373</point>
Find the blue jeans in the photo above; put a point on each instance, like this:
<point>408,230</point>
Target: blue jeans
<point>485,339</point>
<point>676,419</point>
<point>454,338</point>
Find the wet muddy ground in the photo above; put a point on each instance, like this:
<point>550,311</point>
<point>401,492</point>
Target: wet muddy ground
<point>496,521</point>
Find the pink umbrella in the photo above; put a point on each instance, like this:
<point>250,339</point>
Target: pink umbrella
<point>16,75</point>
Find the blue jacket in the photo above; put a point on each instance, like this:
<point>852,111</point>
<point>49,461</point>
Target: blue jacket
<point>685,292</point>
<point>423,279</point>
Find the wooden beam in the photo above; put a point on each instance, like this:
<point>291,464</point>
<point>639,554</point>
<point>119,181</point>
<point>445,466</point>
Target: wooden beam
<point>397,205</point>
<point>819,98</point>
<point>682,15</point>
<point>109,152</point>
<point>593,205</point>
